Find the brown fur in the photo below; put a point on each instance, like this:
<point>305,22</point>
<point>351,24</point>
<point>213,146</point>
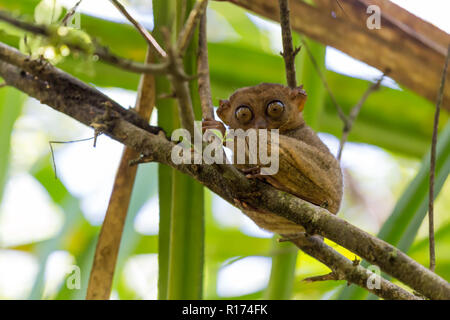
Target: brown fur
<point>307,169</point>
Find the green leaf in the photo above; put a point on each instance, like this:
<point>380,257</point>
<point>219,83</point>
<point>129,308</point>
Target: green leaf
<point>186,239</point>
<point>186,251</point>
<point>282,273</point>
<point>163,11</point>
<point>11,102</point>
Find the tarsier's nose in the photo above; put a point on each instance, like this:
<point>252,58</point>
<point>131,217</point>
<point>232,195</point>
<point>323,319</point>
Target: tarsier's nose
<point>260,123</point>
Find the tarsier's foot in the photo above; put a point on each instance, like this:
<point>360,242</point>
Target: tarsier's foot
<point>214,125</point>
<point>252,173</point>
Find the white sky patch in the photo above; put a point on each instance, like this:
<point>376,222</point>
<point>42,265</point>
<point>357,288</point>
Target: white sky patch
<point>371,167</point>
<point>141,274</point>
<point>273,31</point>
<point>106,10</point>
<point>17,272</point>
<point>243,276</point>
<point>433,11</point>
<point>147,219</point>
<point>27,214</point>
<point>57,268</point>
<point>89,173</point>
<point>361,157</point>
<point>340,62</point>
<point>229,216</point>
<point>219,29</point>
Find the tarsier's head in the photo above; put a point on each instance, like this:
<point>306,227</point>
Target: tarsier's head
<point>265,106</point>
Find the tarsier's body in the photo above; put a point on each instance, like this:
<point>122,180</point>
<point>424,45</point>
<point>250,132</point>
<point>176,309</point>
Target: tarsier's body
<point>307,169</point>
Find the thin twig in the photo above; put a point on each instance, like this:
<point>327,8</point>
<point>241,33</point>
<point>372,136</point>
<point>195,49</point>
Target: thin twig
<point>325,82</point>
<point>433,164</point>
<point>142,30</point>
<point>181,89</point>
<point>288,48</point>
<point>70,14</point>
<point>50,143</point>
<point>354,113</point>
<point>186,33</point>
<point>129,65</point>
<point>204,85</point>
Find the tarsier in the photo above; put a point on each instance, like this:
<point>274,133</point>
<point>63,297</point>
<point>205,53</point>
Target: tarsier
<point>307,169</point>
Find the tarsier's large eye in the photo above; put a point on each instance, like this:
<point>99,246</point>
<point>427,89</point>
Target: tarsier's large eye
<point>244,114</point>
<point>275,109</point>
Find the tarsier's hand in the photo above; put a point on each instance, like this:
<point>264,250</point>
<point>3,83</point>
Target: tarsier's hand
<point>252,172</point>
<point>214,125</point>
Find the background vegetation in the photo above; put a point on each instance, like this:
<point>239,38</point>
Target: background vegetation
<point>48,224</point>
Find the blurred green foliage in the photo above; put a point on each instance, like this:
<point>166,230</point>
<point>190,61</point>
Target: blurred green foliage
<point>398,121</point>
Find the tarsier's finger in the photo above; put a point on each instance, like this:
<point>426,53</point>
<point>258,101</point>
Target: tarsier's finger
<point>211,122</point>
<point>211,127</point>
<point>251,171</point>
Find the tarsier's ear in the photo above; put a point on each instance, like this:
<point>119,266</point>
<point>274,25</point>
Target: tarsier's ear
<point>299,96</point>
<point>224,110</point>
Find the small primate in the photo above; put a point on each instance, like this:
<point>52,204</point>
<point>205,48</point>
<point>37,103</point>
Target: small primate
<point>307,169</point>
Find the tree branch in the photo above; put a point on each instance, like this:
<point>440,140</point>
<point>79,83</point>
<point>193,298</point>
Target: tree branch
<point>85,104</point>
<point>433,164</point>
<point>101,51</point>
<point>344,269</point>
<point>204,86</point>
<point>288,49</point>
